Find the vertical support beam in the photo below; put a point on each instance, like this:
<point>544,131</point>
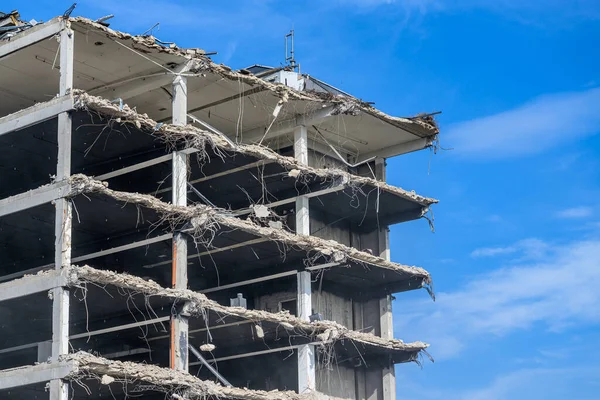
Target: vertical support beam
<point>304,295</point>
<point>179,356</point>
<point>179,103</point>
<point>306,353</point>
<point>385,303</point>
<point>59,389</point>
<point>301,144</point>
<point>301,155</point>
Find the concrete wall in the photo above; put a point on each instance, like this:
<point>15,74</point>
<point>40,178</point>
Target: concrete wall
<point>336,380</point>
<point>332,307</point>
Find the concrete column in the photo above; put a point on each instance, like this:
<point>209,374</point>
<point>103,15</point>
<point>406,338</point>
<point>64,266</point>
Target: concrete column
<point>59,389</point>
<point>385,303</point>
<point>301,144</point>
<point>179,358</point>
<point>306,353</point>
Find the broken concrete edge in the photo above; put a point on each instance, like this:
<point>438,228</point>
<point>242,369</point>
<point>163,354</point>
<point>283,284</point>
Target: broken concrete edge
<point>193,137</point>
<point>204,218</point>
<point>348,104</point>
<point>324,332</point>
<point>177,384</point>
<point>147,41</point>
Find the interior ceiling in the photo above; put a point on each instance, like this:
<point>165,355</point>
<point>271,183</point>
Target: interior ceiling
<point>119,68</point>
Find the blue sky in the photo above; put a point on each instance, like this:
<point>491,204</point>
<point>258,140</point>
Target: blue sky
<point>515,256</point>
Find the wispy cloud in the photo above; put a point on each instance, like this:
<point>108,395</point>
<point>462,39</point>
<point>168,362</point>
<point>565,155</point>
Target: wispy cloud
<point>536,383</point>
<point>576,212</point>
<point>554,292</point>
<point>538,125</point>
<point>540,13</point>
<point>492,251</point>
<point>531,248</point>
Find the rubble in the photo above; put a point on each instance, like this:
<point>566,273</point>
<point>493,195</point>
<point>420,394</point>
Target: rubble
<point>173,383</point>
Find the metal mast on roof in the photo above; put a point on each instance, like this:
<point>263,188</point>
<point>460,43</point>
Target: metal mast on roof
<point>289,50</point>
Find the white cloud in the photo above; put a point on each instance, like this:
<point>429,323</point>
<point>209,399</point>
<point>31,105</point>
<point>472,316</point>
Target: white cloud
<point>538,383</point>
<point>526,12</point>
<point>529,248</point>
<point>541,124</point>
<point>554,291</point>
<point>576,212</point>
<point>492,251</point>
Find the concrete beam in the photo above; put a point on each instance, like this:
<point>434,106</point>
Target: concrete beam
<point>289,125</point>
<point>278,203</point>
<point>397,150</point>
<point>31,285</point>
<point>34,198</point>
<point>135,167</point>
<point>31,36</point>
<point>250,281</point>
<point>16,377</point>
<point>35,114</point>
<point>213,251</point>
<point>132,87</point>
<point>222,173</point>
<point>228,99</point>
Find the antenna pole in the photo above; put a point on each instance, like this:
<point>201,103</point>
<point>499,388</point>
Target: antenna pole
<point>289,50</point>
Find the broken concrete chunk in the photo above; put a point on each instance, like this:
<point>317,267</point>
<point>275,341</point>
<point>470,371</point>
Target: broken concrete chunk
<point>287,326</point>
<point>261,211</point>
<point>338,256</point>
<point>276,224</point>
<point>207,347</point>
<point>259,331</point>
<point>294,173</point>
<point>323,337</point>
<point>107,380</point>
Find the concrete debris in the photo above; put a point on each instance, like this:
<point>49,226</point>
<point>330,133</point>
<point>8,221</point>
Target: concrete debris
<point>172,382</point>
<point>106,380</point>
<point>261,211</point>
<point>206,218</point>
<point>149,42</point>
<point>275,224</point>
<point>193,137</point>
<point>207,347</point>
<point>259,331</point>
<point>326,332</point>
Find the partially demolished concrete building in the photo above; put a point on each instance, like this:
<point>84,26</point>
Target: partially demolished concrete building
<point>172,228</point>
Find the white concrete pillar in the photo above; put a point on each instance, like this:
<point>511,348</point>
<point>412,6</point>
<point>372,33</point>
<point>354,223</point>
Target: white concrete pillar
<point>385,303</point>
<point>179,357</point>
<point>306,353</point>
<point>59,389</point>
